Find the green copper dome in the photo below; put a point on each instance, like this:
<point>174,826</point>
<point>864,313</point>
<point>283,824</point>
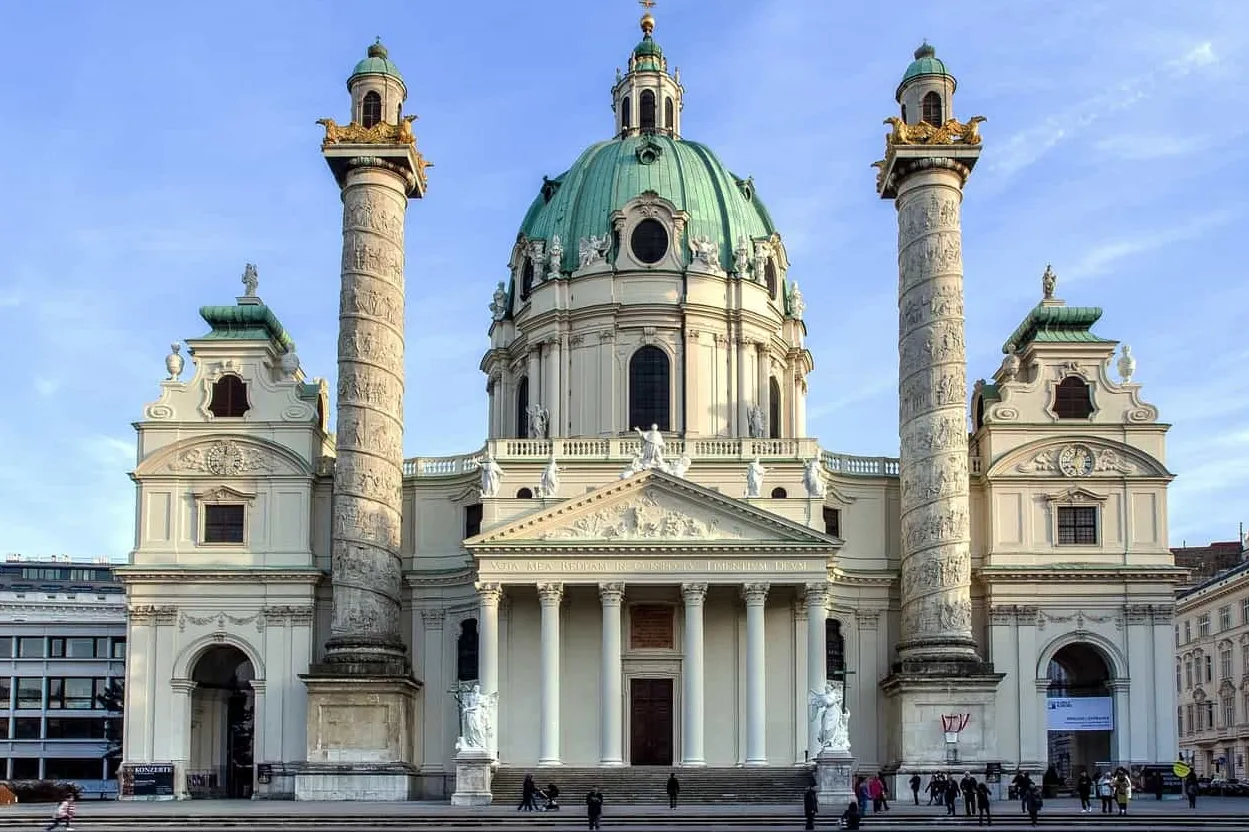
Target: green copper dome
<point>647,48</point>
<point>926,63</point>
<point>377,63</point>
<point>580,202</point>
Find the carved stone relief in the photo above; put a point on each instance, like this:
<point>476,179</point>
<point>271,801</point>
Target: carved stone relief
<point>1077,460</point>
<point>223,458</point>
<point>648,517</point>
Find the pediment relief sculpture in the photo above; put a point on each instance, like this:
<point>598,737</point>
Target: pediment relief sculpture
<point>1081,458</point>
<point>226,456</point>
<point>650,516</point>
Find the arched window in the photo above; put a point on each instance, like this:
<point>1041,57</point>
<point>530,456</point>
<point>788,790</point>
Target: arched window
<point>646,110</point>
<point>371,112</point>
<point>526,279</point>
<point>904,113</point>
<point>670,114</point>
<point>932,109</point>
<point>779,493</point>
<point>769,277</point>
<point>774,408</point>
<point>522,408</point>
<point>229,399</point>
<point>979,421</point>
<point>466,651</point>
<point>626,114</point>
<point>834,650</point>
<point>649,389</point>
<point>1073,399</point>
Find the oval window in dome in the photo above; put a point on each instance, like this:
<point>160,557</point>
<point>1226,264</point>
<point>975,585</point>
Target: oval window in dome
<point>649,241</point>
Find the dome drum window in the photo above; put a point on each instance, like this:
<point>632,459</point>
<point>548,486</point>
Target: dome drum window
<point>649,241</point>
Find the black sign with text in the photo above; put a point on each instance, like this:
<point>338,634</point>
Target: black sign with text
<point>147,780</point>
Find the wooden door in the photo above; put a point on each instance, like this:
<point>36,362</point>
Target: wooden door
<point>650,721</point>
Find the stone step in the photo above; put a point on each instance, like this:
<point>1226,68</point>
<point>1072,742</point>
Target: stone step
<point>648,786</point>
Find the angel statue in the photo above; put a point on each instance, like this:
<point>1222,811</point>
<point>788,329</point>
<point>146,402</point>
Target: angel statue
<point>828,713</point>
<point>476,720</point>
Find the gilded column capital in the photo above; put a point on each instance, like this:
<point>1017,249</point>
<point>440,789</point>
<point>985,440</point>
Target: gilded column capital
<point>490,593</point>
<point>550,594</point>
<point>755,595</point>
<point>693,594</point>
<point>611,594</point>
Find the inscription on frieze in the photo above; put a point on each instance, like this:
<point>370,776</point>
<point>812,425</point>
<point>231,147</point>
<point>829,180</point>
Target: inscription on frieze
<point>623,566</point>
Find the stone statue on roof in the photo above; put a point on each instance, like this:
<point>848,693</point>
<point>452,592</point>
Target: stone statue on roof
<point>251,280</point>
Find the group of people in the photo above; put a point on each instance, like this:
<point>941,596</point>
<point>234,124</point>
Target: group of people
<point>1114,789</point>
<point>946,790</point>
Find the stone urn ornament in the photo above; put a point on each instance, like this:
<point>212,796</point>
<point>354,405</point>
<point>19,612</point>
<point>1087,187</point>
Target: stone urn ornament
<point>1127,364</point>
<point>290,363</point>
<point>174,362</point>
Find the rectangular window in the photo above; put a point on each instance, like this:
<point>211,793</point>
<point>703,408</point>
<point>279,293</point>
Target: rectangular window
<point>1225,618</point>
<point>1229,711</point>
<point>74,694</point>
<point>6,693</point>
<point>1209,668</point>
<point>6,647</point>
<point>4,733</point>
<point>27,727</point>
<point>224,523</point>
<point>1188,719</point>
<point>1203,625</point>
<point>30,692</point>
<point>119,648</point>
<point>832,521</point>
<point>1244,611</point>
<point>1209,709</point>
<point>77,768</point>
<point>73,648</point>
<point>1178,678</point>
<point>30,647</point>
<point>1244,660</point>
<point>1077,525</point>
<point>68,728</point>
<point>1179,720</point>
<point>472,520</point>
<point>1188,673</point>
<point>1188,631</point>
<point>1225,663</point>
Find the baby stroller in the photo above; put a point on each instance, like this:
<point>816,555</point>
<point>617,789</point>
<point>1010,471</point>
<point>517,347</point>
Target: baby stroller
<point>550,797</point>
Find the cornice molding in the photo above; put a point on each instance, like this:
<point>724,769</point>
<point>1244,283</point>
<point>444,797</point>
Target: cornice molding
<point>1079,574</point>
<point>457,577</point>
<point>131,575</point>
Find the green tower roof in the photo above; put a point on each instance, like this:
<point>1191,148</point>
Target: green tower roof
<point>246,322</point>
<point>377,63</point>
<point>1056,322</point>
<point>579,203</point>
<point>926,63</point>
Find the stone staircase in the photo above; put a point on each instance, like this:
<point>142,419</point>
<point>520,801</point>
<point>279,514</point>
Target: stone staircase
<point>647,786</point>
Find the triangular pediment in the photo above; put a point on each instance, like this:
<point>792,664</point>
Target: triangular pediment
<point>652,508</point>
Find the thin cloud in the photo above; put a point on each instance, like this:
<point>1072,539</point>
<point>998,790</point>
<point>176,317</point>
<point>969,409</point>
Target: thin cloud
<point>1100,259</point>
<point>1028,146</point>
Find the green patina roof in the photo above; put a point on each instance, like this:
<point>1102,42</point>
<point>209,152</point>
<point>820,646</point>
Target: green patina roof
<point>309,391</point>
<point>246,322</point>
<point>579,203</point>
<point>990,393</point>
<point>926,63</point>
<point>647,47</point>
<point>377,63</point>
<point>1056,323</point>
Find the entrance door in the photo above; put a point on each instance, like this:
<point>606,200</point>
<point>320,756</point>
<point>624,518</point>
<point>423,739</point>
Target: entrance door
<point>650,721</point>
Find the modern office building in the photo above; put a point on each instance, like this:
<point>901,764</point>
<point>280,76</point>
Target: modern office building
<point>62,643</point>
<point>1212,673</point>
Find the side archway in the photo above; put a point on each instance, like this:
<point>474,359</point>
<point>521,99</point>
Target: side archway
<point>1081,675</point>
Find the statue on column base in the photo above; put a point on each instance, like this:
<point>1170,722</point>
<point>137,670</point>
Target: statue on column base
<point>474,761</point>
<point>830,729</point>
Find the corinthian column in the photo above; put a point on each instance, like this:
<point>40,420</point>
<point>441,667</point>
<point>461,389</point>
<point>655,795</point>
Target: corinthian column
<point>756,596</point>
<point>693,690</point>
<point>817,656</point>
<point>612,754</point>
<point>936,559</point>
<point>550,596</point>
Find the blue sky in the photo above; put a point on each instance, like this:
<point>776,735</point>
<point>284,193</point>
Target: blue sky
<point>154,148</point>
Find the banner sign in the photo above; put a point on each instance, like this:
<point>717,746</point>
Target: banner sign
<point>1081,713</point>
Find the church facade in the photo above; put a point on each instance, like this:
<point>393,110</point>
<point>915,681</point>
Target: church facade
<point>649,562</point>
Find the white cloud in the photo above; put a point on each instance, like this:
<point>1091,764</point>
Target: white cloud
<point>45,386</point>
<point>1099,259</point>
<point>1027,146</point>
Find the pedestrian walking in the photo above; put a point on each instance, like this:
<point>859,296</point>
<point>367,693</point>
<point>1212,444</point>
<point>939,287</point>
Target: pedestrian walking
<point>984,800</point>
<point>527,793</point>
<point>594,808</point>
<point>1084,788</point>
<point>851,817</point>
<point>811,806</point>
<point>64,814</point>
<point>915,782</point>
<point>674,788</point>
<point>1191,788</point>
<point>1035,802</point>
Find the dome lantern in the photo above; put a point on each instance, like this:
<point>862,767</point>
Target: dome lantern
<point>377,88</point>
<point>647,99</point>
<point>926,92</point>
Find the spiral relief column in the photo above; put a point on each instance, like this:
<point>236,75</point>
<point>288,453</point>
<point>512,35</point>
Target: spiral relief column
<point>929,156</point>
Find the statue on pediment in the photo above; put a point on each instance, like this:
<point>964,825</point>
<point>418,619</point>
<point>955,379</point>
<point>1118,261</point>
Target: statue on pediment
<point>491,477</point>
<point>652,447</point>
<point>754,478</point>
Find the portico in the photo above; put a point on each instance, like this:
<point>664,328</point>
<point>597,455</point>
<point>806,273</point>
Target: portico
<point>658,556</point>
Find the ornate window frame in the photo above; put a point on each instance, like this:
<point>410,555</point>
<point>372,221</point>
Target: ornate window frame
<point>650,205</point>
<point>1077,498</point>
<point>651,338</point>
<point>1062,372</point>
<point>223,495</point>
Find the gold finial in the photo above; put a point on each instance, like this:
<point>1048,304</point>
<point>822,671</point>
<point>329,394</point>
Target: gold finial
<point>648,20</point>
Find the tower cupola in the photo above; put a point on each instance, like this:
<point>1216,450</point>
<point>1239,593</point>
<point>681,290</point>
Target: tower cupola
<point>377,89</point>
<point>646,99</point>
<point>926,92</point>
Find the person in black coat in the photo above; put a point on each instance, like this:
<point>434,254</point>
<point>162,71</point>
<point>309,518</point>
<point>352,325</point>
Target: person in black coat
<point>915,783</point>
<point>851,817</point>
<point>594,808</point>
<point>983,802</point>
<point>811,806</point>
<point>527,792</point>
<point>1084,788</point>
<point>674,788</point>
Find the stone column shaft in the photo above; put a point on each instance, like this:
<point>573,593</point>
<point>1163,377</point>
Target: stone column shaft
<point>550,596</point>
<point>488,650</point>
<point>368,471</point>
<point>693,696</point>
<point>611,717</point>
<point>756,597</point>
<point>935,509</point>
<point>817,660</point>
<point>536,394</point>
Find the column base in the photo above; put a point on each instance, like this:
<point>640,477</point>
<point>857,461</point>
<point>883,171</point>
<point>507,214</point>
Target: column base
<point>834,780</point>
<point>363,738</point>
<point>474,770</point>
<point>693,764</point>
<point>919,693</point>
<point>611,763</point>
<point>756,763</point>
<point>550,763</point>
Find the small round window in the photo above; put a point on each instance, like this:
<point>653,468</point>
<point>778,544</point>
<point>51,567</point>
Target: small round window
<point>649,241</point>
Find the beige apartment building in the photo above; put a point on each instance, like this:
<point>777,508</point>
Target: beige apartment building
<point>1212,673</point>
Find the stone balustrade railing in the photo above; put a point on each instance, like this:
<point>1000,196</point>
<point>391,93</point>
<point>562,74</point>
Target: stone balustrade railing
<point>623,449</point>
